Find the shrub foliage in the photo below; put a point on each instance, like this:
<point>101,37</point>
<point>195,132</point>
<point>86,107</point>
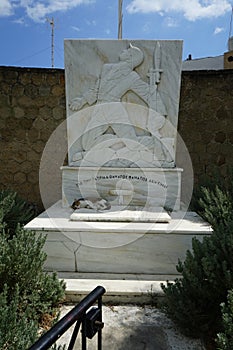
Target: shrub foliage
<point>26,291</point>
<point>21,265</point>
<point>225,339</point>
<point>214,199</point>
<point>14,210</point>
<point>193,301</point>
<point>18,331</point>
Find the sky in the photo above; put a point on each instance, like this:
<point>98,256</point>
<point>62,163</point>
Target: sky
<point>26,26</point>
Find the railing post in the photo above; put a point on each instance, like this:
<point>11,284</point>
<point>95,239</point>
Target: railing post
<point>78,315</point>
<point>74,335</point>
<point>100,330</point>
<point>84,336</point>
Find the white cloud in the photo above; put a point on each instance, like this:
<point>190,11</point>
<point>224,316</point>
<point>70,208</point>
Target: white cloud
<point>190,9</point>
<point>218,30</point>
<point>77,29</point>
<point>146,28</point>
<point>90,23</point>
<point>38,10</point>
<point>6,8</point>
<point>20,21</point>
<point>170,22</point>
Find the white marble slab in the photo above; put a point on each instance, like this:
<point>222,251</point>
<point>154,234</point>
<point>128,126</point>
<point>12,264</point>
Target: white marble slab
<point>149,254</point>
<point>116,214</point>
<point>57,219</point>
<point>122,102</point>
<point>114,247</point>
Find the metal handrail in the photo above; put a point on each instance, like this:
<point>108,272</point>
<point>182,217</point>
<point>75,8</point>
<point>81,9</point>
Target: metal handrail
<point>78,315</point>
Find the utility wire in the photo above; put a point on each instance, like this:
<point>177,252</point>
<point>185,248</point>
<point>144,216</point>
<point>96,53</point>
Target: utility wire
<point>60,55</point>
<point>27,57</point>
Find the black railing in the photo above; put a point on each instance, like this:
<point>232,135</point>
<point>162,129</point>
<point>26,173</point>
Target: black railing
<point>91,323</point>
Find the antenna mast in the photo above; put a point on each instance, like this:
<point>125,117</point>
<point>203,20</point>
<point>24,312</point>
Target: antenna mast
<point>230,29</point>
<point>120,19</point>
<point>51,22</point>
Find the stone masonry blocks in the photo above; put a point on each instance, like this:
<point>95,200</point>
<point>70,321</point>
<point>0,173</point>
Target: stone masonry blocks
<point>32,106</point>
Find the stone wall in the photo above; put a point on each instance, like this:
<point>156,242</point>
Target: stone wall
<point>32,105</point>
<point>206,120</point>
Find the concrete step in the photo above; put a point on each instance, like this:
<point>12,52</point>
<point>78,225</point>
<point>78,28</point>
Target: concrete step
<point>128,326</point>
<point>135,327</point>
<point>120,288</point>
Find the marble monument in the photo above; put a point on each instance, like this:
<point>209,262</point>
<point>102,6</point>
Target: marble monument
<point>122,112</point>
<point>121,210</point>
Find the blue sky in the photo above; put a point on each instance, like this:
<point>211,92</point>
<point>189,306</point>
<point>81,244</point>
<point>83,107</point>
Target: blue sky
<point>25,30</point>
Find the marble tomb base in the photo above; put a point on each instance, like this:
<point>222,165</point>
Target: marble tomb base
<point>116,247</point>
<point>146,187</point>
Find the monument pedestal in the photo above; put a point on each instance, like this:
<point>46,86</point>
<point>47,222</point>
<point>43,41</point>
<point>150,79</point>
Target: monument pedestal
<point>116,247</point>
<point>122,116</point>
<point>137,187</point>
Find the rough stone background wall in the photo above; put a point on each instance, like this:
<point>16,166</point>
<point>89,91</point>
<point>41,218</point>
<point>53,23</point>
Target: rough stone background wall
<point>32,106</point>
<point>206,120</point>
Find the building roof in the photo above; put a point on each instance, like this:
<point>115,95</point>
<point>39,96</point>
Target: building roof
<point>206,63</point>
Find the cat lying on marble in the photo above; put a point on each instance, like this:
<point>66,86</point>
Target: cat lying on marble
<point>91,203</point>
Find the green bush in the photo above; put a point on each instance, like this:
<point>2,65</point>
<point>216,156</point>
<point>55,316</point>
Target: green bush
<point>21,264</point>
<point>14,210</point>
<point>193,301</point>
<point>17,330</point>
<point>26,291</point>
<point>217,206</point>
<point>213,200</point>
<point>225,339</point>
